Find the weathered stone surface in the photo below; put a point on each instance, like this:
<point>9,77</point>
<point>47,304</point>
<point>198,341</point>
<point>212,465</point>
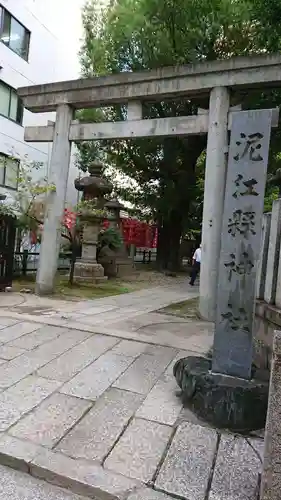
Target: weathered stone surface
<point>271,476</point>
<point>68,364</point>
<point>81,477</point>
<point>240,242</point>
<point>162,405</point>
<point>17,486</point>
<point>94,436</point>
<point>51,420</point>
<point>22,397</point>
<point>17,330</point>
<point>186,415</point>
<point>187,467</point>
<point>67,340</point>
<point>130,348</point>
<point>17,453</point>
<point>15,370</point>
<point>145,370</point>
<point>236,471</point>
<point>273,253</point>
<point>40,336</point>
<point>91,382</point>
<point>262,264</point>
<point>4,322</point>
<point>225,402</point>
<point>139,451</point>
<point>148,494</point>
<point>258,445</point>
<point>7,352</point>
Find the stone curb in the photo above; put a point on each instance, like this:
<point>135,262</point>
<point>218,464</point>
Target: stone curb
<point>79,476</point>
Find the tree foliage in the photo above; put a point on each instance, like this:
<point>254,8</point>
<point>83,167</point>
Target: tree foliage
<point>134,35</point>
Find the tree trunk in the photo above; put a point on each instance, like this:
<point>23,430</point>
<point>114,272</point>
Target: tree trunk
<point>174,242</point>
<point>162,247</point>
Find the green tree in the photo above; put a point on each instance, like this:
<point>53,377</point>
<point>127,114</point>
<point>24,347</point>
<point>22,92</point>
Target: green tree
<point>133,35</point>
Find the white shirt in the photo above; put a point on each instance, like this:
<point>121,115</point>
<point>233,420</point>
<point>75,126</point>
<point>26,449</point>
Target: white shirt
<point>197,255</point>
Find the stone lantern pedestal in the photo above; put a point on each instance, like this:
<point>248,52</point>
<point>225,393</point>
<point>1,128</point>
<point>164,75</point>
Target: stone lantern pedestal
<point>87,268</point>
<point>124,264</point>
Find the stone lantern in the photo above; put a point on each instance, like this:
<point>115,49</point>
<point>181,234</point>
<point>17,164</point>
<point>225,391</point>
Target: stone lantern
<point>117,263</point>
<point>114,207</point>
<point>94,188</point>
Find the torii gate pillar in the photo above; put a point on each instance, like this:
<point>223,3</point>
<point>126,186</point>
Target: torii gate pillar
<point>60,160</point>
<point>215,176</point>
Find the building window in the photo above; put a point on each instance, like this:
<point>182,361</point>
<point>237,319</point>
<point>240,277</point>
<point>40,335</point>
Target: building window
<point>9,171</point>
<point>11,106</point>
<point>14,34</point>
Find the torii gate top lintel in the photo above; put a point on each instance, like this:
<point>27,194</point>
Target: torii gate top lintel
<point>193,79</point>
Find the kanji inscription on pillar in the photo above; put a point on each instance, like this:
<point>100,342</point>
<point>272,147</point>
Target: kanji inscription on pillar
<point>240,242</point>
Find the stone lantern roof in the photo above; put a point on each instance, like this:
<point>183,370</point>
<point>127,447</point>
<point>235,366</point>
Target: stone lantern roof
<point>93,185</point>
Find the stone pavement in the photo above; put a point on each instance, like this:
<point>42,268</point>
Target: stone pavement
<point>15,485</point>
<point>91,404</point>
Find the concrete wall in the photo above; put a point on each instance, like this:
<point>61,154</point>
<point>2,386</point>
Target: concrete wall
<point>52,57</point>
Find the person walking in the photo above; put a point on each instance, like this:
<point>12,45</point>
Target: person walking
<point>196,263</point>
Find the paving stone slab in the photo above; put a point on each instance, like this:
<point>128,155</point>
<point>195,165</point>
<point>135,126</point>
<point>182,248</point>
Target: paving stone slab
<point>162,405</point>
<point>13,332</point>
<point>138,452</point>
<point>148,494</point>
<point>96,310</point>
<point>145,371</point>
<point>23,397</point>
<point>93,381</point>
<point>17,453</point>
<point>94,436</point>
<point>41,336</point>
<point>51,420</point>
<point>187,467</point>
<point>13,371</point>
<point>81,476</point>
<point>130,348</point>
<point>236,471</point>
<point>15,485</point>
<point>4,322</point>
<point>68,364</point>
<point>8,353</point>
<point>67,340</point>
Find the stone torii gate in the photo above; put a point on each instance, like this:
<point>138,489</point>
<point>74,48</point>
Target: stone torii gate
<point>216,80</point>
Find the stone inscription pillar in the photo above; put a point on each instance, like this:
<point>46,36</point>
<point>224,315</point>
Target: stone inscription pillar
<point>59,170</point>
<point>215,175</point>
<point>240,242</point>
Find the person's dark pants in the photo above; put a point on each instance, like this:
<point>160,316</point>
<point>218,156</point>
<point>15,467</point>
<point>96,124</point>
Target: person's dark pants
<point>194,272</point>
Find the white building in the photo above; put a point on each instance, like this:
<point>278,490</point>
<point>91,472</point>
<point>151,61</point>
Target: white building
<point>39,43</point>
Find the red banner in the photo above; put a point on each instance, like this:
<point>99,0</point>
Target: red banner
<point>139,233</point>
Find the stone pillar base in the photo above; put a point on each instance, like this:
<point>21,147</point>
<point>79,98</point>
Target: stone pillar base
<point>89,272</point>
<point>222,401</point>
<point>125,266</point>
